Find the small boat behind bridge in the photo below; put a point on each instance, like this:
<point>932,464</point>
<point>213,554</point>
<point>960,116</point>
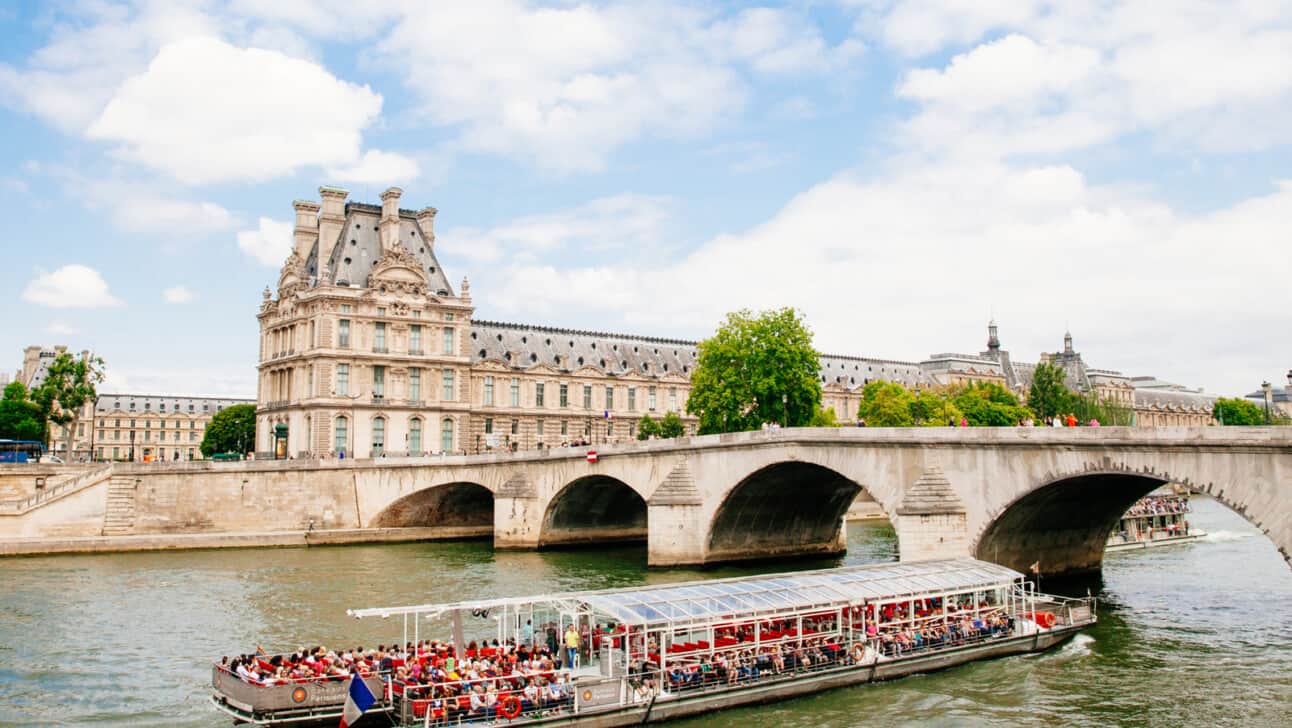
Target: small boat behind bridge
<point>654,653</point>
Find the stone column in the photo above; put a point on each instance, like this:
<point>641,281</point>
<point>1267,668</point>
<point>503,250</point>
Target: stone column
<point>517,515</point>
<point>931,520</point>
<point>676,531</point>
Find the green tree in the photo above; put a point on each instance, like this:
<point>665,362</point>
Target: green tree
<point>756,369</point>
<point>1049,395</point>
<point>935,408</point>
<point>1234,411</point>
<point>70,382</point>
<point>20,418</point>
<point>987,404</point>
<point>646,428</point>
<point>232,429</point>
<point>671,426</point>
<point>824,418</point>
<point>1091,406</point>
<point>886,404</point>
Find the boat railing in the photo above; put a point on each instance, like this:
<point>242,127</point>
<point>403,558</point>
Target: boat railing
<point>1067,611</point>
<point>449,702</point>
<point>297,694</point>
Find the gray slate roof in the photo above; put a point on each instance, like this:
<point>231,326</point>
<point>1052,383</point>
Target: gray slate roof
<point>165,404</point>
<point>359,246</point>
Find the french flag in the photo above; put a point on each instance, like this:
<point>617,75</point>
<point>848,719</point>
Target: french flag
<point>358,699</point>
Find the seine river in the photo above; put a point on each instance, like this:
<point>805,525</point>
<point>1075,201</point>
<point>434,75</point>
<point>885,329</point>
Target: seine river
<point>1190,635</point>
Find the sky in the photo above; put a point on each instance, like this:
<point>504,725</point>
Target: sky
<point>901,172</point>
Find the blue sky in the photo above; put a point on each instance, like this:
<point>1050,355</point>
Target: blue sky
<point>901,171</point>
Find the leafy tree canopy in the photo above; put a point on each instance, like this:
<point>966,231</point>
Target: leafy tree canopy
<point>1235,411</point>
<point>647,428</point>
<point>1049,395</point>
<point>987,404</point>
<point>70,382</point>
<point>755,369</point>
<point>232,429</point>
<point>886,404</point>
<point>824,418</point>
<point>671,426</point>
<point>935,408</point>
<point>20,418</point>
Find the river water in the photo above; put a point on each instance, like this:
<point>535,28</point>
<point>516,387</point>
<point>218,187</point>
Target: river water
<point>1191,635</point>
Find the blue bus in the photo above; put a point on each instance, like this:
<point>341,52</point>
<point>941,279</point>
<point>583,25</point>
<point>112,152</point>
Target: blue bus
<point>20,451</point>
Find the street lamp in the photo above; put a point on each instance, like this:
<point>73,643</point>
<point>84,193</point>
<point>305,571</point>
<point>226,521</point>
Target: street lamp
<point>1265,387</point>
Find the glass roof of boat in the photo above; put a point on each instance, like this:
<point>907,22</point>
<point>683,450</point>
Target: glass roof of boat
<point>701,601</point>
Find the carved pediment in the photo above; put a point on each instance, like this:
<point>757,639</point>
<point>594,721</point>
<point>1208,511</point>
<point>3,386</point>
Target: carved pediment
<point>293,277</point>
<point>543,369</point>
<point>398,271</point>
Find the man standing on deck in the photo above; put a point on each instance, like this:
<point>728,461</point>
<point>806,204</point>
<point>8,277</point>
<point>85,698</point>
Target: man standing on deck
<point>529,633</point>
<point>571,646</point>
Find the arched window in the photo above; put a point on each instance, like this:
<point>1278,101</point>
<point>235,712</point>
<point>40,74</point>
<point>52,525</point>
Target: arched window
<point>446,435</point>
<point>415,436</point>
<point>342,433</point>
<point>378,435</point>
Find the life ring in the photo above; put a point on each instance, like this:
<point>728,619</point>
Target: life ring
<point>1045,619</point>
<point>509,707</point>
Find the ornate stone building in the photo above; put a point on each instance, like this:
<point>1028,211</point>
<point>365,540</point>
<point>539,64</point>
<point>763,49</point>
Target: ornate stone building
<point>366,349</point>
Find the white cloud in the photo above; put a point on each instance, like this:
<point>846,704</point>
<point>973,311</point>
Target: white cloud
<point>566,86</point>
<point>377,167</point>
<point>221,382</point>
<point>60,328</point>
<point>205,111</point>
<point>1039,245</point>
<point>1208,76</point>
<point>269,244</point>
<point>623,223</point>
<point>68,81</point>
<point>72,286</point>
<point>178,295</point>
<point>1012,70</point>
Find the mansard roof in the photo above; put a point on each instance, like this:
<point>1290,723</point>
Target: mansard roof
<point>1174,400</point>
<point>522,346</point>
<point>358,247</point>
<point>165,403</point>
<point>525,345</point>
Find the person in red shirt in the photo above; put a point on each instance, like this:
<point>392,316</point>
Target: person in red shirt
<point>1071,420</point>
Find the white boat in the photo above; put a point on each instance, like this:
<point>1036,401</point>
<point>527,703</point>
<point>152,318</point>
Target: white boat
<point>656,653</point>
<point>1158,519</point>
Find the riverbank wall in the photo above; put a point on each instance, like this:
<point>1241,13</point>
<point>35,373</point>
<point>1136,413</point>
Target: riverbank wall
<point>269,539</point>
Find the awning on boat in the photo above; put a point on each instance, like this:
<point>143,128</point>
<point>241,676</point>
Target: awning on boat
<point>704,601</point>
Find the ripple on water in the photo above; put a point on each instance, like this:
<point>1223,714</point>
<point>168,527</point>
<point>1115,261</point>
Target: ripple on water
<point>1197,634</point>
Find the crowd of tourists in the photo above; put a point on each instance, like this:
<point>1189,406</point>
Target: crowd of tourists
<point>485,680</point>
<point>1156,505</point>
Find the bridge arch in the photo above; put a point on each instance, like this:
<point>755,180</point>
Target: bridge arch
<point>787,508</point>
<point>1062,525</point>
<point>457,504</point>
<point>594,509</point>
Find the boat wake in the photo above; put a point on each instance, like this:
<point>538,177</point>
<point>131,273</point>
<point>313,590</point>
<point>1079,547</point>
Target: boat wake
<point>1226,536</point>
<point>1078,646</point>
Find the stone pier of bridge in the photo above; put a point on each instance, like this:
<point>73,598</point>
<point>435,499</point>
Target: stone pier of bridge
<point>1015,496</point>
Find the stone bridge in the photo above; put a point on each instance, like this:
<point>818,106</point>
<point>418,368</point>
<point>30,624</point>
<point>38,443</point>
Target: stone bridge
<point>1009,495</point>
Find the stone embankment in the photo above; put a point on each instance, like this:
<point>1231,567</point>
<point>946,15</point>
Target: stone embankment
<point>184,541</point>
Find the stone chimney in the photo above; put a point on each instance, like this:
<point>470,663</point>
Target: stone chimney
<point>307,227</point>
<point>426,222</point>
<point>330,221</point>
<point>390,217</point>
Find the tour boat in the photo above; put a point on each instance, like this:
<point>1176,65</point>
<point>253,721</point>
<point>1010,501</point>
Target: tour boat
<point>656,653</point>
<point>1158,519</point>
